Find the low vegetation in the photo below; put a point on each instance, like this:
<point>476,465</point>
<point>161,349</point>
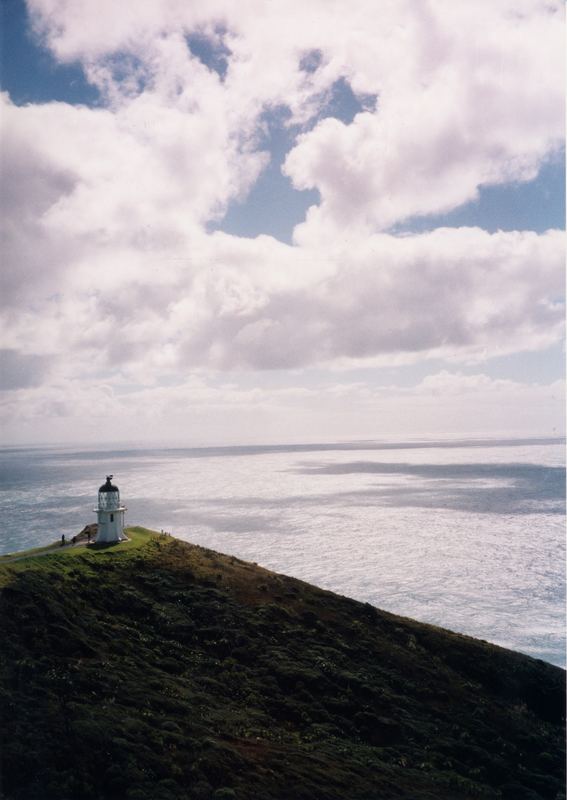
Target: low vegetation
<point>156,669</point>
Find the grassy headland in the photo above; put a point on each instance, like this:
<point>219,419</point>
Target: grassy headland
<point>156,669</point>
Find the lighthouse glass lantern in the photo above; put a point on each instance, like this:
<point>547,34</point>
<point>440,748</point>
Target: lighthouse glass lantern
<point>110,513</point>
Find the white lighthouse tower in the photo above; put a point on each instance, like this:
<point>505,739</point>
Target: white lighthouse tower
<point>110,514</point>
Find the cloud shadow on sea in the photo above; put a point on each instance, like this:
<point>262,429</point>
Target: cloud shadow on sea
<point>511,489</point>
<point>478,488</point>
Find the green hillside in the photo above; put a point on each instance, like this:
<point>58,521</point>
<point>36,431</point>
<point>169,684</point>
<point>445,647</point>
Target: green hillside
<point>159,670</point>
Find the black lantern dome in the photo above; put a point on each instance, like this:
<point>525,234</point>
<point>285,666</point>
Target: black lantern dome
<point>108,486</point>
<point>108,496</point>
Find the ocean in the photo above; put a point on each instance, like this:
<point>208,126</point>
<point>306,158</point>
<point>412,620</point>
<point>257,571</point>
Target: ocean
<point>468,535</point>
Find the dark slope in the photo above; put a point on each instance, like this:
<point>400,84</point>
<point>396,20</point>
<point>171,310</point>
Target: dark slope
<point>166,671</point>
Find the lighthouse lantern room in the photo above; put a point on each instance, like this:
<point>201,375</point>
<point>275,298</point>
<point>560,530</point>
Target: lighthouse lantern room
<point>110,514</point>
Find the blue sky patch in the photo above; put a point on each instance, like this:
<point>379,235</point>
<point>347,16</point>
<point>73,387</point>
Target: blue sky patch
<point>29,73</point>
<point>273,206</point>
<point>343,104</point>
<point>212,53</point>
<point>534,206</point>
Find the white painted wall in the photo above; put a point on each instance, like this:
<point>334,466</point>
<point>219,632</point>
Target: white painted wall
<point>110,525</point>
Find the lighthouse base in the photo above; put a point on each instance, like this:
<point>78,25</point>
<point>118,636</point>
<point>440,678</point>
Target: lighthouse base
<point>110,525</point>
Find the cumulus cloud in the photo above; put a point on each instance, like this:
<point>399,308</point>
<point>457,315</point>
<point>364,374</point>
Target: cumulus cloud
<point>467,96</point>
<point>113,274</point>
<point>477,103</point>
<point>440,293</point>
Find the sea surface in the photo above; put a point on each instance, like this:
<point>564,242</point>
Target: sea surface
<point>468,535</point>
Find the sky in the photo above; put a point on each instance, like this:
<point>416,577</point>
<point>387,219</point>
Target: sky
<point>275,221</point>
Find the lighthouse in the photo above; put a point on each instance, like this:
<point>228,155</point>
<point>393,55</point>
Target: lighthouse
<point>110,514</point>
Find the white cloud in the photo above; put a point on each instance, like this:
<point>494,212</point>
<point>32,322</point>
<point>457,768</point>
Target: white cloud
<point>478,101</point>
<point>467,95</point>
<point>112,274</point>
<point>201,410</point>
<point>263,305</point>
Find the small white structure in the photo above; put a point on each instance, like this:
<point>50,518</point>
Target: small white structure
<point>110,514</point>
